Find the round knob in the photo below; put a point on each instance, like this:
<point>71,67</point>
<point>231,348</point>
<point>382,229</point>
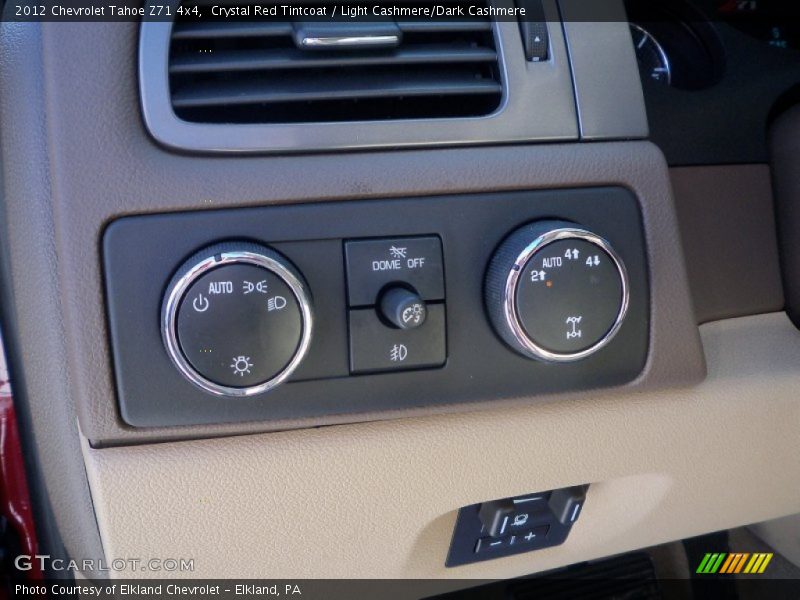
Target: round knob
<point>237,319</point>
<point>403,308</point>
<point>556,292</point>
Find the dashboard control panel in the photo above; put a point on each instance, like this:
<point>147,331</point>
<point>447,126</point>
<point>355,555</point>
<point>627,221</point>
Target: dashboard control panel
<point>290,312</point>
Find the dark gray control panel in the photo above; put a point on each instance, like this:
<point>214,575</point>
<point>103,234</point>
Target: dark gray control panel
<point>289,312</point>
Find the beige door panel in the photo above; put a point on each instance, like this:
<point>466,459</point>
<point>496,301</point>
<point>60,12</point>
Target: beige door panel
<point>379,499</point>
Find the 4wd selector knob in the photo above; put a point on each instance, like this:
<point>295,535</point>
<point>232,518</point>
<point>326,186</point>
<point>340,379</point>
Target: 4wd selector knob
<point>556,292</point>
<point>237,320</point>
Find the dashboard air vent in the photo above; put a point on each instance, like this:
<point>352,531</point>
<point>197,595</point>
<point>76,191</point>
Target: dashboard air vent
<point>283,71</point>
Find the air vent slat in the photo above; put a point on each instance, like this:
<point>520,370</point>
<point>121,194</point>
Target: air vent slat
<point>211,30</point>
<point>236,60</point>
<point>333,88</point>
<point>442,26</point>
<point>229,71</point>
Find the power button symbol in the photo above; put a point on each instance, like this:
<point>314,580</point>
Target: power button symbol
<point>200,303</point>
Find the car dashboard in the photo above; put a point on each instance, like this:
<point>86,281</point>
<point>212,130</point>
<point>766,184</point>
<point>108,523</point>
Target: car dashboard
<point>408,298</point>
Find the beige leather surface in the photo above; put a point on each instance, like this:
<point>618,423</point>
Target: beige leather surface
<point>379,499</point>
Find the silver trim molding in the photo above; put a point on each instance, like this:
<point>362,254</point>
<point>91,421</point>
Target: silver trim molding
<point>362,41</point>
<point>178,290</point>
<point>513,321</point>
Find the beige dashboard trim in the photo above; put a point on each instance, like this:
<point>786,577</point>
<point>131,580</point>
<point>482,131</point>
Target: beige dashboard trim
<point>379,499</point>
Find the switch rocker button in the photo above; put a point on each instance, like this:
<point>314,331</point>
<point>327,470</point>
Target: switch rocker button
<point>566,503</point>
<point>494,515</point>
<point>377,347</point>
<point>510,515</point>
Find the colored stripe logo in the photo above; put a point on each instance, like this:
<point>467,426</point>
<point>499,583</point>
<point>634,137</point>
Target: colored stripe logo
<point>734,562</point>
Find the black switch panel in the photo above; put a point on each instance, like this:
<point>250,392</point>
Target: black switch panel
<point>373,264</point>
<point>514,525</point>
<point>394,278</point>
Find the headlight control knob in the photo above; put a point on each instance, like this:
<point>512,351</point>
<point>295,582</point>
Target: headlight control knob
<point>237,319</point>
<point>403,308</point>
<point>556,292</point>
